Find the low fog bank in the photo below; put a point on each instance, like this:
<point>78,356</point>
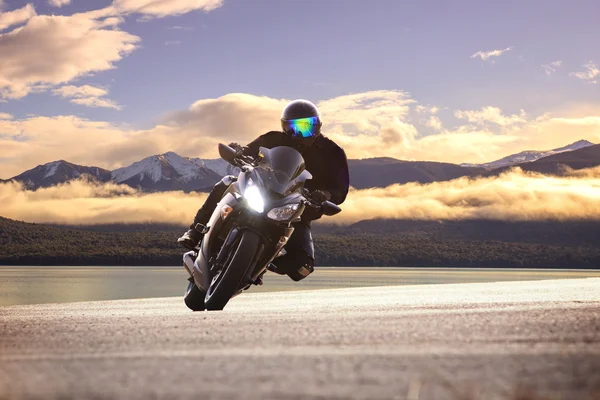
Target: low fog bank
<point>514,195</point>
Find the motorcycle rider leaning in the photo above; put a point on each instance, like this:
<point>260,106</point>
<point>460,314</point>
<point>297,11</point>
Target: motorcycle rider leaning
<point>325,160</point>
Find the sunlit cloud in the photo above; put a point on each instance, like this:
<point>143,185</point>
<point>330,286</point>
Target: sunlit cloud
<point>79,45</point>
<point>590,73</point>
<point>485,55</point>
<point>163,8</point>
<point>551,67</point>
<point>434,123</point>
<point>370,124</point>
<point>16,17</point>
<point>86,95</point>
<point>491,114</point>
<point>4,115</point>
<point>59,3</point>
<point>514,195</point>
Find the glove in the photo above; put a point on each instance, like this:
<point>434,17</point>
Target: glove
<point>320,196</point>
<point>239,149</point>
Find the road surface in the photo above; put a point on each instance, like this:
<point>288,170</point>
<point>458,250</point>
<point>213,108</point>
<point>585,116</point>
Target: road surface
<point>501,340</point>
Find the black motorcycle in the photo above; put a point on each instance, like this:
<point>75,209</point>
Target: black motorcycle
<point>250,226</point>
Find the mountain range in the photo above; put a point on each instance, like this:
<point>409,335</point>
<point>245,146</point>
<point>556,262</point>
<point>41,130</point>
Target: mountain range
<point>530,155</point>
<point>170,171</point>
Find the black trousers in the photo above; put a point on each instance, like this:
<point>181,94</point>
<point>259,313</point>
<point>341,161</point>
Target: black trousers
<point>299,260</point>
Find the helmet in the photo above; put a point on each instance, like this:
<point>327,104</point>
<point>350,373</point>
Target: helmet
<point>300,119</point>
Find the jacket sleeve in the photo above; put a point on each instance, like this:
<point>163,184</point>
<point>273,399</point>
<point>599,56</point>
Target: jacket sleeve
<point>340,178</point>
<point>268,140</point>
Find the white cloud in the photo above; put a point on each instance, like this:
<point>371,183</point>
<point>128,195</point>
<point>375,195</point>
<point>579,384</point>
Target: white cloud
<point>96,102</point>
<point>59,3</point>
<point>551,67</point>
<point>434,123</point>
<point>4,115</point>
<point>78,46</point>
<point>80,91</point>
<point>371,124</point>
<point>427,109</point>
<point>491,114</point>
<point>16,17</point>
<point>163,8</point>
<point>514,195</point>
<point>590,73</point>
<point>485,55</point>
<point>180,28</point>
<point>86,95</point>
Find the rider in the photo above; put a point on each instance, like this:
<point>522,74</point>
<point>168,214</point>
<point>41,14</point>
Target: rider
<point>325,160</point>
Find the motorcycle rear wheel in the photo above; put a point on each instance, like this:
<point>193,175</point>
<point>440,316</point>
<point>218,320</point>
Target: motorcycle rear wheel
<point>227,283</point>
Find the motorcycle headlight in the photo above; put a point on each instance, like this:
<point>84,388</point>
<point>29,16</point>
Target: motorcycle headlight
<point>283,213</point>
<point>254,199</point>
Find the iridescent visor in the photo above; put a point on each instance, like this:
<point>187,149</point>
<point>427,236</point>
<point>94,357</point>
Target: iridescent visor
<point>304,127</point>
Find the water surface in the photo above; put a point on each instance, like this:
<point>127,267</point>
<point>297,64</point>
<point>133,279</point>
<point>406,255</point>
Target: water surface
<point>34,285</point>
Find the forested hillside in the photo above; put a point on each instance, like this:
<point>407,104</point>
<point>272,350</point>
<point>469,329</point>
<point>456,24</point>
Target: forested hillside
<point>368,243</point>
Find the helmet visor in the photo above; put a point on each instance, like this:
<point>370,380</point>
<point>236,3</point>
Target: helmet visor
<point>302,127</point>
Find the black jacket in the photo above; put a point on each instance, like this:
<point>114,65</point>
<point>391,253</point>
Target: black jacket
<point>324,159</point>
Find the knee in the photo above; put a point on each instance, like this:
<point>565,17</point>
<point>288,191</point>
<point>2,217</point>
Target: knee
<point>224,183</point>
<point>303,267</point>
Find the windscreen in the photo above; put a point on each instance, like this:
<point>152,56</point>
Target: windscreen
<point>281,169</point>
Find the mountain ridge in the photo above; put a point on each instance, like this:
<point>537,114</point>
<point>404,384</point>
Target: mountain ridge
<point>530,156</point>
<point>170,171</point>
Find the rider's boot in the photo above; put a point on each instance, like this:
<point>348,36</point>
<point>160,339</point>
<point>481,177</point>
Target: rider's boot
<point>191,238</point>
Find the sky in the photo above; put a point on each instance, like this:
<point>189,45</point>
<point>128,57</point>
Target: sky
<point>109,82</point>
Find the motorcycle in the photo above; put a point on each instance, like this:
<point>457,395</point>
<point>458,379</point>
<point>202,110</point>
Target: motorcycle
<point>250,226</point>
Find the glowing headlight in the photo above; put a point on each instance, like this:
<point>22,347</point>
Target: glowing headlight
<point>254,199</point>
<point>283,213</point>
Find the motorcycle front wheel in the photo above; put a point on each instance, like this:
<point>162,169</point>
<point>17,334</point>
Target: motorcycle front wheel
<point>227,281</point>
<point>194,297</point>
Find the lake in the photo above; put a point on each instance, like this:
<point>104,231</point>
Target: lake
<point>34,285</point>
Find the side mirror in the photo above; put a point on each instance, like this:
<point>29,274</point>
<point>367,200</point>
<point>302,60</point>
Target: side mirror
<point>227,153</point>
<point>330,208</point>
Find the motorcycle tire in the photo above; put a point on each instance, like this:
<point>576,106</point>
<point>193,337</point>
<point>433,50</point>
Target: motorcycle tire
<point>194,297</point>
<point>228,282</point>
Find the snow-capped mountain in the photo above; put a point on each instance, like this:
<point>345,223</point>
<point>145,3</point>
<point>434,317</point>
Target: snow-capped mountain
<point>168,171</point>
<point>219,166</point>
<point>530,155</point>
<point>57,172</point>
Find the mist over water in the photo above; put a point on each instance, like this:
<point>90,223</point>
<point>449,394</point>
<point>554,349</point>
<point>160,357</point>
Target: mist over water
<point>514,195</point>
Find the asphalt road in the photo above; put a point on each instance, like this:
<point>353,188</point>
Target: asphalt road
<point>502,340</point>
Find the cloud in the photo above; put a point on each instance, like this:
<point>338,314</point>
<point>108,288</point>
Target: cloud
<point>180,28</point>
<point>81,202</point>
<point>370,124</point>
<point>552,67</point>
<point>50,50</point>
<point>590,73</point>
<point>173,43</point>
<point>86,95</point>
<point>163,8</point>
<point>491,114</point>
<point>16,17</point>
<point>5,116</point>
<point>427,109</point>
<point>514,195</point>
<point>434,123</point>
<point>485,55</point>
<point>59,3</point>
